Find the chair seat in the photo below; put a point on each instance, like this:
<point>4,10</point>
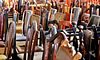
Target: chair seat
<point>2,50</point>
<point>37,56</point>
<point>2,44</point>
<point>3,57</point>
<point>20,38</point>
<point>21,49</point>
<point>19,29</point>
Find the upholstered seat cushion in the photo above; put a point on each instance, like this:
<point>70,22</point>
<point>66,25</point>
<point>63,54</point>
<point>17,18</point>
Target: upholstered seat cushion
<point>3,57</point>
<point>37,56</point>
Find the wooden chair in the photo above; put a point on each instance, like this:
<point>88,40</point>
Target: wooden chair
<point>62,7</point>
<point>76,11</point>
<point>94,20</point>
<point>44,19</point>
<point>37,11</point>
<point>87,36</point>
<point>9,42</point>
<point>31,54</point>
<point>92,51</point>
<point>1,29</point>
<point>67,52</point>
<point>63,24</point>
<point>52,13</point>
<point>46,35</point>
<point>83,6</point>
<point>93,11</point>
<point>73,21</point>
<point>85,17</point>
<point>58,39</point>
<point>36,18</point>
<point>60,15</point>
<point>74,18</point>
<point>1,25</point>
<point>25,25</point>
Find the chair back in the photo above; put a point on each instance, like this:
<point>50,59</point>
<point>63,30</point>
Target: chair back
<point>76,11</point>
<point>94,20</point>
<point>57,39</point>
<point>94,10</point>
<point>60,16</point>
<point>30,45</point>
<point>25,21</point>
<point>35,18</point>
<point>9,42</point>
<point>44,19</point>
<point>52,13</point>
<point>1,25</point>
<point>67,52</point>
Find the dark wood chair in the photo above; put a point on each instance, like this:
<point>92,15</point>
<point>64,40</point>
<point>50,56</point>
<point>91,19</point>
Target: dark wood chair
<point>92,43</point>
<point>1,25</point>
<point>44,19</point>
<point>93,11</point>
<point>94,20</point>
<point>9,42</point>
<point>32,38</point>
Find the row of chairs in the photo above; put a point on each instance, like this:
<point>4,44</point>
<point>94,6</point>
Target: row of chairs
<point>55,41</point>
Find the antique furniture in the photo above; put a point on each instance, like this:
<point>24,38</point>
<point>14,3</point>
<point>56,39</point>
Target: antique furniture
<point>52,13</point>
<point>60,15</point>
<point>36,18</point>
<point>30,45</point>
<point>9,42</point>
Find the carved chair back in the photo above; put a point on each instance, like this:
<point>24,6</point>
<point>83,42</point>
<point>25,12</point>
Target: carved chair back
<point>67,52</point>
